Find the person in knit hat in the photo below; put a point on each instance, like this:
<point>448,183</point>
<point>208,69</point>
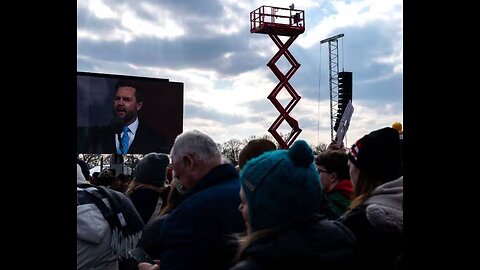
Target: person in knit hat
<point>398,126</point>
<point>152,169</point>
<point>378,155</point>
<point>376,218</point>
<point>147,190</point>
<point>254,148</point>
<point>281,193</point>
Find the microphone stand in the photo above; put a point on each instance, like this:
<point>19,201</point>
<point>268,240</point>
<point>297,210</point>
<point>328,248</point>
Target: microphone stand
<point>119,138</point>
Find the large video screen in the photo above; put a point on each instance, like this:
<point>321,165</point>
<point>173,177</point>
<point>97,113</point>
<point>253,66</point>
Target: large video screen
<point>127,114</point>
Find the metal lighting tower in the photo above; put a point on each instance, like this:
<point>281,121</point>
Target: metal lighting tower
<point>276,21</point>
<point>333,77</point>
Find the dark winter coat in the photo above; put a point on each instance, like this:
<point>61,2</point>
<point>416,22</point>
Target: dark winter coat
<point>195,235</point>
<point>318,244</point>
<point>378,227</point>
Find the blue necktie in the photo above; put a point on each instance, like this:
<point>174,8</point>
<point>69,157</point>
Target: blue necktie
<point>125,140</point>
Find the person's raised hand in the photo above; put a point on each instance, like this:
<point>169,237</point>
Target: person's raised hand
<point>333,146</point>
<point>148,266</point>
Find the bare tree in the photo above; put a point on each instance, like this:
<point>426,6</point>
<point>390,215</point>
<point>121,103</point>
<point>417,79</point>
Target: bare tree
<point>132,160</point>
<point>320,148</point>
<point>251,138</point>
<point>92,160</point>
<point>284,136</point>
<point>231,149</point>
<point>220,147</point>
<point>105,160</point>
<point>268,137</point>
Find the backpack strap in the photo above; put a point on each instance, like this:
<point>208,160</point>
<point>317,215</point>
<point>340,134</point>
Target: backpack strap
<point>158,209</point>
<point>97,199</point>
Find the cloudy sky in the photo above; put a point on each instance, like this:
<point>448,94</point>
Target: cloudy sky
<point>208,46</point>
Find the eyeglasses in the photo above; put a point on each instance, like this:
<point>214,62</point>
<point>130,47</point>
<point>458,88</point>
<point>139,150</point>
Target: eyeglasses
<point>320,171</point>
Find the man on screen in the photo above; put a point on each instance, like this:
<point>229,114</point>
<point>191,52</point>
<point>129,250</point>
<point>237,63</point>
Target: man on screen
<point>127,134</point>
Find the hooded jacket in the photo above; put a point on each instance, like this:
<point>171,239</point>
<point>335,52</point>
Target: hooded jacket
<point>378,226</point>
<point>93,234</point>
<point>93,239</point>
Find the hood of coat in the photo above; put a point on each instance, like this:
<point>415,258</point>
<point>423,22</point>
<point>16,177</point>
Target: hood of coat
<point>91,225</point>
<point>385,207</point>
<point>80,178</point>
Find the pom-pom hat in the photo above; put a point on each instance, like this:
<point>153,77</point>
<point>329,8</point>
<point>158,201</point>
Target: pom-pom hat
<point>281,187</point>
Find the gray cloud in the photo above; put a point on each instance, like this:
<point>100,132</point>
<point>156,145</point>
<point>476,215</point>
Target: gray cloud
<point>200,47</point>
<point>262,107</point>
<point>203,48</point>
<point>207,8</point>
<point>195,111</point>
<point>86,20</point>
<point>178,54</point>
<point>361,45</point>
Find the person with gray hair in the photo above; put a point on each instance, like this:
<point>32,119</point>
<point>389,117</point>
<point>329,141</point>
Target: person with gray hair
<point>196,234</point>
<point>194,148</point>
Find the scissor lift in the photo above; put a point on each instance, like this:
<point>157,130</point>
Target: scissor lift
<point>276,21</point>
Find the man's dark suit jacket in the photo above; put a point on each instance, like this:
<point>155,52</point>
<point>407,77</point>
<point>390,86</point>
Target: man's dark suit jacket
<point>101,140</point>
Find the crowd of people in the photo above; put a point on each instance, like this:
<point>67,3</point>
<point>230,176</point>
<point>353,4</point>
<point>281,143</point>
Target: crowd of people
<point>276,209</point>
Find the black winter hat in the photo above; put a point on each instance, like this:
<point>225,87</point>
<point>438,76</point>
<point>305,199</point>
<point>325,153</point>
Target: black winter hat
<point>379,154</point>
<point>152,169</point>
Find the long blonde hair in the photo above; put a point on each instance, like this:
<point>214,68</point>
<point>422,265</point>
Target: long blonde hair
<point>245,240</point>
<point>134,185</point>
<point>363,188</point>
<point>175,196</point>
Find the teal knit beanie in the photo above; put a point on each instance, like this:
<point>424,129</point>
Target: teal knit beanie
<point>281,186</point>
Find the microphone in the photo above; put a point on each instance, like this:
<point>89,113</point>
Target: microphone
<point>117,126</point>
